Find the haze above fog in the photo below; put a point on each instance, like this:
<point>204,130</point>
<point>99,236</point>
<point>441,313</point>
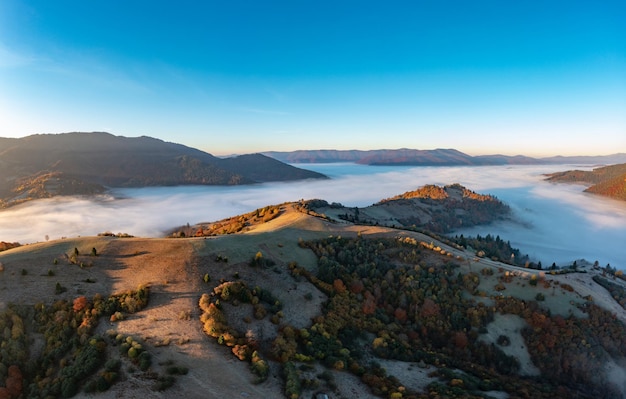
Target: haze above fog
<point>554,222</point>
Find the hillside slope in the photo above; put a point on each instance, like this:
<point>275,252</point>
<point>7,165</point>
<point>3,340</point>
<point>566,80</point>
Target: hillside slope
<point>609,181</point>
<point>262,168</point>
<point>432,208</point>
<point>42,166</point>
<point>300,304</point>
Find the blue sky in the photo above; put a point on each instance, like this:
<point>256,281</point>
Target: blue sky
<point>513,77</point>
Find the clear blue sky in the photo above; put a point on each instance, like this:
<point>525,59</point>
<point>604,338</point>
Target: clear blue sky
<point>531,77</point>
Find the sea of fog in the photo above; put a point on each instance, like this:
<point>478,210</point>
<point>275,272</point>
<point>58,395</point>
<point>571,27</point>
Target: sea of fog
<point>553,222</point>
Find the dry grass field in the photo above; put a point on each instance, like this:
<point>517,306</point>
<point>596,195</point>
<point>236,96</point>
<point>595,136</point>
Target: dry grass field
<point>174,270</point>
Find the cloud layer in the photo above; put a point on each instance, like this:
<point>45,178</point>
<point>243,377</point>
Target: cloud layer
<point>555,222</point>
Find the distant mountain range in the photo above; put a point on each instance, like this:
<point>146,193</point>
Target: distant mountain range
<point>46,165</point>
<point>438,157</point>
<point>609,181</point>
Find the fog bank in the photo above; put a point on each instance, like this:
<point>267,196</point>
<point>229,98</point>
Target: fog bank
<point>555,222</point>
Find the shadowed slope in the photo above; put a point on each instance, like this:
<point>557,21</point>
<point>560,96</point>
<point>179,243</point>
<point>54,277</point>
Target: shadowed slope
<point>43,166</point>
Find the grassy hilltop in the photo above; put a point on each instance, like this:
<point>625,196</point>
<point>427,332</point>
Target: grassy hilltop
<point>290,301</point>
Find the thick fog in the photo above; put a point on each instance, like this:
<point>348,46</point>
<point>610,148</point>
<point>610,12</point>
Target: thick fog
<point>554,222</point>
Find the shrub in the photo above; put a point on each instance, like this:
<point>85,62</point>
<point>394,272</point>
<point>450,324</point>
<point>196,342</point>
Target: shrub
<point>163,383</point>
<point>91,386</point>
<point>113,365</point>
<point>259,312</point>
<point>242,352</point>
<point>69,387</point>
<point>117,316</point>
<point>292,381</point>
<point>259,261</point>
<point>59,289</point>
<point>259,367</point>
<point>102,384</point>
<point>132,352</point>
<point>79,304</point>
<point>145,361</point>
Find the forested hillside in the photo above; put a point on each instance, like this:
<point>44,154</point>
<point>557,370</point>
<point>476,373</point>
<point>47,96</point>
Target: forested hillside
<point>609,181</point>
<point>431,208</point>
<point>296,302</point>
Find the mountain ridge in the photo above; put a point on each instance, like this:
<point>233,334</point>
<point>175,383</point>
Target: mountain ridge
<point>93,162</point>
<point>437,157</point>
